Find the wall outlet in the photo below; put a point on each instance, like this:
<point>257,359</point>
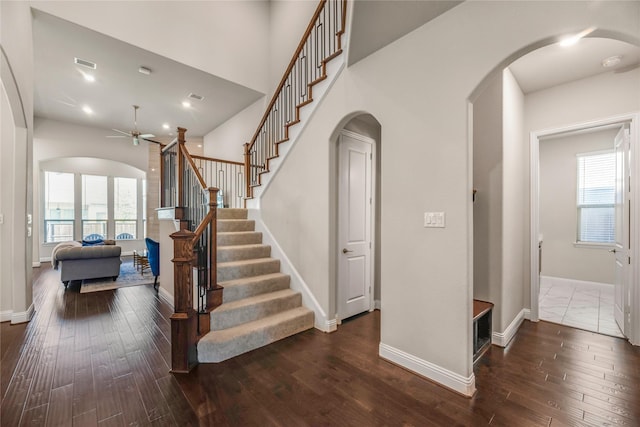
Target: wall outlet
<point>434,219</point>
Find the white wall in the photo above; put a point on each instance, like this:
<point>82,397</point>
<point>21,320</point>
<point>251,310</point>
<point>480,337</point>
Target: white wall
<point>229,39</point>
<point>558,216</point>
<point>287,22</point>
<point>7,131</point>
<point>515,230</point>
<point>226,141</point>
<point>487,208</point>
<point>594,98</point>
<point>17,78</point>
<point>426,278</point>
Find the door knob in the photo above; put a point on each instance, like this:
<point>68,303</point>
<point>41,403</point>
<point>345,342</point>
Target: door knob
<point>613,251</point>
<point>344,251</point>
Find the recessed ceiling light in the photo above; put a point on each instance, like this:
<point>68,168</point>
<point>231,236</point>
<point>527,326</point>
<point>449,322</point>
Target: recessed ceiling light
<point>199,145</point>
<point>87,109</point>
<point>165,126</point>
<point>572,40</point>
<point>186,104</point>
<point>611,61</point>
<point>88,77</point>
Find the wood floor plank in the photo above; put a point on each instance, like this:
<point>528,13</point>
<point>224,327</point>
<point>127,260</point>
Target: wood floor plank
<point>103,359</point>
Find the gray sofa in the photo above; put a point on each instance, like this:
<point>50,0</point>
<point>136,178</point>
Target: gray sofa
<point>88,262</point>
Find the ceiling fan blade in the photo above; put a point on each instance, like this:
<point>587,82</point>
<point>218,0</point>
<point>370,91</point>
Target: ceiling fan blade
<point>151,140</point>
<point>146,135</point>
<point>122,132</point>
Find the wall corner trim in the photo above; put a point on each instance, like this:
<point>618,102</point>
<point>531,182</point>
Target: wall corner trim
<point>327,325</point>
<point>433,372</point>
<point>502,339</point>
<point>23,316</point>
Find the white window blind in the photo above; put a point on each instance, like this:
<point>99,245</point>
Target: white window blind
<point>596,197</point>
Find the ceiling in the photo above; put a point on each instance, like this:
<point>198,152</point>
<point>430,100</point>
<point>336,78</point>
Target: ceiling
<point>61,90</point>
<point>379,23</point>
<point>553,65</point>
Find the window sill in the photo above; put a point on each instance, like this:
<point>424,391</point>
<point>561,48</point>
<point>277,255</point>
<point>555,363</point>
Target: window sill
<point>593,245</point>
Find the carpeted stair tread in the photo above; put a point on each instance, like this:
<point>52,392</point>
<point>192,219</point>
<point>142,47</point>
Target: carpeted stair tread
<point>231,238</point>
<point>217,346</point>
<point>253,308</point>
<point>243,252</point>
<point>232,213</point>
<point>255,285</point>
<point>246,268</point>
<point>225,225</point>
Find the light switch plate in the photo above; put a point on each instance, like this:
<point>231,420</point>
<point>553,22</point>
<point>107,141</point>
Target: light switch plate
<point>434,219</point>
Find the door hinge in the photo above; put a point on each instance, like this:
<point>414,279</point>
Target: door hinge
<point>629,258</point>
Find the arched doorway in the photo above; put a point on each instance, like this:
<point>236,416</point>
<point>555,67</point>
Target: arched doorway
<point>356,160</point>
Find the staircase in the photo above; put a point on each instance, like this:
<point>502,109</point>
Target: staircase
<point>258,307</point>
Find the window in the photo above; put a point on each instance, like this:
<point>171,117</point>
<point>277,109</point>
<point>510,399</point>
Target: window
<point>596,197</point>
<point>125,207</point>
<point>58,207</point>
<point>94,206</point>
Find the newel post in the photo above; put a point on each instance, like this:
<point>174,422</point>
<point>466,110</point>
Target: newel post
<point>247,171</point>
<point>214,291</point>
<point>184,318</point>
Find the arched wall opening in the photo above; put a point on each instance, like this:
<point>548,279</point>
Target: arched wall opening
<point>505,175</point>
<point>366,125</point>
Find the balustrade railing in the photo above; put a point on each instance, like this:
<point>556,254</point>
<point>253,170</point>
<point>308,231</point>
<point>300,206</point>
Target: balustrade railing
<point>320,43</point>
<point>227,176</point>
<point>195,249</point>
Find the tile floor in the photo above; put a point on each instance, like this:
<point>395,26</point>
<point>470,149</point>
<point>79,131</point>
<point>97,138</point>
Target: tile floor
<point>584,306</point>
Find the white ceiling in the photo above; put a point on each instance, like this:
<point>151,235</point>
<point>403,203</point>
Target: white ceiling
<point>553,65</point>
<point>61,91</point>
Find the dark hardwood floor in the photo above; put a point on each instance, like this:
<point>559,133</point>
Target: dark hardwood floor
<point>102,359</point>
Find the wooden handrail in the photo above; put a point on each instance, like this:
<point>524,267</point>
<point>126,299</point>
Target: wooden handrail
<point>294,58</point>
<point>193,166</point>
<point>213,159</point>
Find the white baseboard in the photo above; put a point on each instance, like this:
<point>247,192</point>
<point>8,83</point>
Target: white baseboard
<point>527,313</point>
<point>377,304</point>
<point>442,376</point>
<point>35,264</point>
<point>575,282</point>
<point>328,326</point>
<point>165,295</point>
<point>502,339</point>
<point>23,316</point>
<point>5,315</point>
<point>321,322</point>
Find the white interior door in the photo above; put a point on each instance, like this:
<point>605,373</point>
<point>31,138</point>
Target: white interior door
<point>354,225</point>
<point>622,241</point>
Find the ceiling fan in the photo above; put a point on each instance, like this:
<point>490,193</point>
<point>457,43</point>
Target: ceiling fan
<point>135,133</point>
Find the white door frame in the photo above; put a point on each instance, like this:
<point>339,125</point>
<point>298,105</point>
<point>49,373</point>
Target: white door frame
<point>372,206</point>
<point>634,282</point>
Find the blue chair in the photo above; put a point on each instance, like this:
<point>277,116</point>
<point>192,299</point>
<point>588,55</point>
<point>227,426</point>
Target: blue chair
<point>153,255</point>
<point>93,237</point>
